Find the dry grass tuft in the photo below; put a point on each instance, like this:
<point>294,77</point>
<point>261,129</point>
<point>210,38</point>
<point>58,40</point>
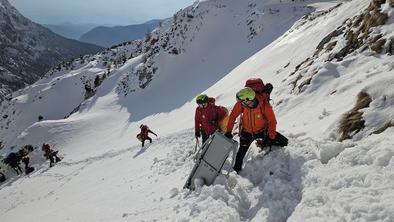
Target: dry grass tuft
<point>330,46</point>
<point>378,45</point>
<point>353,122</point>
<point>384,127</point>
<point>373,16</point>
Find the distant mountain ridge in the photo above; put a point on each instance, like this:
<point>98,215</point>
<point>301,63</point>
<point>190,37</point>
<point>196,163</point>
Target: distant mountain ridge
<point>28,50</point>
<point>69,30</point>
<point>109,36</point>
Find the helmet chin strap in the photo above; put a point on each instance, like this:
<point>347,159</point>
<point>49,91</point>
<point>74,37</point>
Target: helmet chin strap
<point>254,104</point>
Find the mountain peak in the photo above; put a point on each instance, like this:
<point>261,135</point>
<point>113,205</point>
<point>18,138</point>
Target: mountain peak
<point>30,50</point>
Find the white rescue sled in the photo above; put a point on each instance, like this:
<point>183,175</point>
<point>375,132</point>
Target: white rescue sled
<point>210,159</point>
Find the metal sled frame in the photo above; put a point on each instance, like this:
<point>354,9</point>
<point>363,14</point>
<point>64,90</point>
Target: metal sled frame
<point>211,158</point>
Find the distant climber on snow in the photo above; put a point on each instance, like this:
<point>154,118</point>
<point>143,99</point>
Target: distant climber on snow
<point>257,122</point>
<point>208,117</point>
<point>13,160</point>
<point>144,134</point>
<point>50,154</point>
<point>24,156</point>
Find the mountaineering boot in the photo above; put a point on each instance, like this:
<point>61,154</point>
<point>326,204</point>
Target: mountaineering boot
<point>237,169</point>
<point>264,146</point>
<point>2,178</point>
<point>29,170</point>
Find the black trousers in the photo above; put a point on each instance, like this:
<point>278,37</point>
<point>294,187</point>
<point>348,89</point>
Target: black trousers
<point>204,137</point>
<point>17,168</point>
<point>53,158</point>
<point>147,138</point>
<point>247,138</point>
<point>26,161</point>
<point>2,177</point>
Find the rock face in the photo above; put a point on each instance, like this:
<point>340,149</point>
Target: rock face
<point>28,50</point>
<point>355,35</point>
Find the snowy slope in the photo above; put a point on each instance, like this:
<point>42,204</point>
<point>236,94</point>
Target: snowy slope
<point>316,178</point>
<point>202,57</point>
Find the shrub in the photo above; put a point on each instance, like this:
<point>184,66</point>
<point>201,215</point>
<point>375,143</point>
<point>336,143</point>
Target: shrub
<point>352,122</point>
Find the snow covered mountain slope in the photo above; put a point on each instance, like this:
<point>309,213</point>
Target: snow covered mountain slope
<point>28,50</point>
<point>317,82</point>
<point>186,50</point>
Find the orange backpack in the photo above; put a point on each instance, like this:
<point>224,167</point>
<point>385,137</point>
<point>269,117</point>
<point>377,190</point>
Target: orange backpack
<point>258,86</point>
<point>222,124</point>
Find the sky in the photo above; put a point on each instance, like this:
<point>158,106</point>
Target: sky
<point>116,12</point>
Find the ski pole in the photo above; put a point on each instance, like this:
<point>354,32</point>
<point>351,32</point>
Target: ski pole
<point>197,144</point>
<point>196,152</point>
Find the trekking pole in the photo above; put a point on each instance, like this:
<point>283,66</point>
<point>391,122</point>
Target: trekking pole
<point>197,144</point>
<point>197,151</point>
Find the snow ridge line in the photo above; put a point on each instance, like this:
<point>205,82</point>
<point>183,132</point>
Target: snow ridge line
<point>107,155</point>
<point>112,154</point>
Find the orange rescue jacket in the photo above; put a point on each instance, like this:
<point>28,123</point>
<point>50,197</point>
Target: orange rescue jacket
<point>254,120</point>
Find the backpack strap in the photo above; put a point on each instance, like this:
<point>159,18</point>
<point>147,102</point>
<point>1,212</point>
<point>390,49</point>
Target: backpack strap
<point>215,116</point>
<point>265,101</point>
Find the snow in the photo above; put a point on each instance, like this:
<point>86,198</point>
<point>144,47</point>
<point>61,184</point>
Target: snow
<point>106,175</point>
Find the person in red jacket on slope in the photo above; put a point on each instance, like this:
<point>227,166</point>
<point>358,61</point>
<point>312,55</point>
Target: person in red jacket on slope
<point>143,135</point>
<point>207,117</point>
<point>50,154</point>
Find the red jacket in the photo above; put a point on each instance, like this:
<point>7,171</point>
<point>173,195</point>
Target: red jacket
<point>206,119</point>
<point>254,120</point>
<point>47,149</point>
<point>145,131</point>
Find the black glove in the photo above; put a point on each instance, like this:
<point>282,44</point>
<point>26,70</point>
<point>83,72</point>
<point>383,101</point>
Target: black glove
<point>197,134</point>
<point>268,88</point>
<point>228,135</point>
<point>268,142</point>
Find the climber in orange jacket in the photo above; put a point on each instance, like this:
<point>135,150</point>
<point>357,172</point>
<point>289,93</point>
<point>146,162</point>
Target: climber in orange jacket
<point>257,120</point>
